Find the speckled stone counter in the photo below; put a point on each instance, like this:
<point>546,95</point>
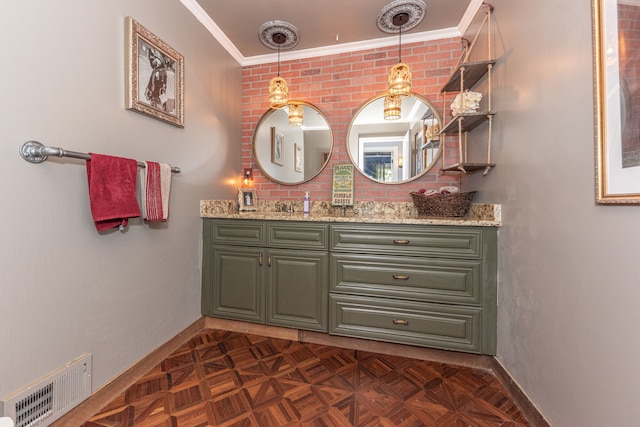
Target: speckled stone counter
<point>480,214</point>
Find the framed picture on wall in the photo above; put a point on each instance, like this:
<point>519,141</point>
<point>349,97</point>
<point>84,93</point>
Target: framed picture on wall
<point>617,101</point>
<point>247,199</point>
<point>325,158</point>
<point>277,145</point>
<point>155,75</point>
<point>298,157</point>
<point>419,142</point>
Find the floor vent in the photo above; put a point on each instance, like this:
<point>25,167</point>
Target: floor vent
<point>43,402</point>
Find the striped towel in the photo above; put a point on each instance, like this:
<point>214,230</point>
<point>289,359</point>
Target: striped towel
<point>155,185</point>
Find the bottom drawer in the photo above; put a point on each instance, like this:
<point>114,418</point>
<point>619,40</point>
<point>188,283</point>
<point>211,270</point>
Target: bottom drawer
<point>424,324</point>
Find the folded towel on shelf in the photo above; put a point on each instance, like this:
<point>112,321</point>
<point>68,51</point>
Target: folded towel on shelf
<point>112,190</point>
<point>155,185</point>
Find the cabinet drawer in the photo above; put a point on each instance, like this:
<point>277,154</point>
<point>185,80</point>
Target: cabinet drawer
<point>298,235</point>
<point>419,279</point>
<point>240,232</point>
<point>459,242</point>
<point>424,324</point>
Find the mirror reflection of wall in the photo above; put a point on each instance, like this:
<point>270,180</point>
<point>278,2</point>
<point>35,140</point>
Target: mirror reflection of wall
<point>292,154</point>
<point>399,150</point>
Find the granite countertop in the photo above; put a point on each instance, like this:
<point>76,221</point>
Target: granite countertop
<point>480,214</point>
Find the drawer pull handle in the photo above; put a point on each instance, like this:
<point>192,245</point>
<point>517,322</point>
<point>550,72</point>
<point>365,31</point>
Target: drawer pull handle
<point>400,277</point>
<point>400,322</point>
<point>401,242</point>
<point>260,261</point>
<point>269,260</point>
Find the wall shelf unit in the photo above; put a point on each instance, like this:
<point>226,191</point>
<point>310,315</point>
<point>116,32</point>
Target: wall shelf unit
<point>464,77</point>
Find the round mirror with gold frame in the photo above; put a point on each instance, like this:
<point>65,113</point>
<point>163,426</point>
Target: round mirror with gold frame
<point>293,144</point>
<point>399,150</point>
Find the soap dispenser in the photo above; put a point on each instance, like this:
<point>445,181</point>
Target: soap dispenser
<point>306,204</point>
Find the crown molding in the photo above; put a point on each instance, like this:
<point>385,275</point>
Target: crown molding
<point>350,47</point>
<point>213,28</point>
<point>469,14</point>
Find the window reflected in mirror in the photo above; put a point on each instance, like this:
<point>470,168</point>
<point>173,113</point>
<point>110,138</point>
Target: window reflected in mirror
<point>395,151</point>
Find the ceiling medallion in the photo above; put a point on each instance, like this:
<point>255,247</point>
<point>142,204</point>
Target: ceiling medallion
<point>267,31</point>
<point>415,9</point>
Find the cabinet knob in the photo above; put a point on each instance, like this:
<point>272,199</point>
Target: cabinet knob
<point>400,322</point>
<point>400,277</point>
<point>401,242</point>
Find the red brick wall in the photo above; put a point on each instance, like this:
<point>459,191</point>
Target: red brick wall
<point>339,85</point>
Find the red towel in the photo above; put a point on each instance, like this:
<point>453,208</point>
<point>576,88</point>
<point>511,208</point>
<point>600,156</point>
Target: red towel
<point>112,190</point>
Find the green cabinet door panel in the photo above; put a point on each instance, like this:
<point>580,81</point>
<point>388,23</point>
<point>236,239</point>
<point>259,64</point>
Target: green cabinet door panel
<point>297,289</point>
<point>238,232</point>
<point>291,235</point>
<point>238,283</point>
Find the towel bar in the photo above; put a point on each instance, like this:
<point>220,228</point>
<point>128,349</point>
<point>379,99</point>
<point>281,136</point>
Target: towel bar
<point>35,152</point>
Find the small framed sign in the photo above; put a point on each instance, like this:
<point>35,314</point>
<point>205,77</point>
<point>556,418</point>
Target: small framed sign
<point>342,189</point>
<point>247,199</point>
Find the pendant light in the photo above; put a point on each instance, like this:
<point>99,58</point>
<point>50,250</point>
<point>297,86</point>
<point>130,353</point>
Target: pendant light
<point>400,75</point>
<point>278,35</point>
<point>296,115</point>
<point>395,17</point>
<point>392,104</point>
<point>278,89</point>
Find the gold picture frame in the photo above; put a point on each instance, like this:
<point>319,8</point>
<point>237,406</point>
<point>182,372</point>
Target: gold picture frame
<point>247,199</point>
<point>617,102</point>
<point>155,75</point>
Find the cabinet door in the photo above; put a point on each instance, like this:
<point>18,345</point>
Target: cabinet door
<point>297,289</point>
<point>236,283</point>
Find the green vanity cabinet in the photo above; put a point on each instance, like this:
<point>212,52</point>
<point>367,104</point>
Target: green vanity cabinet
<point>433,286</point>
<point>273,272</point>
<point>420,284</point>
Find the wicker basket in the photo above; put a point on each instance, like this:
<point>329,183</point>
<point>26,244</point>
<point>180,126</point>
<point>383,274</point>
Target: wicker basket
<point>448,205</point>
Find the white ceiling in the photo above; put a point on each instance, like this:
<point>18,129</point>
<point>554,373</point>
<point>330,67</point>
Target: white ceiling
<point>325,26</point>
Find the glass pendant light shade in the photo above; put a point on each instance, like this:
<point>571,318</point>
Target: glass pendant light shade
<point>392,104</point>
<point>278,93</point>
<point>400,80</point>
<point>296,115</point>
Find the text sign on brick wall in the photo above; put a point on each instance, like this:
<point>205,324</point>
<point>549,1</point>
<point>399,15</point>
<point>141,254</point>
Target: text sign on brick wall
<point>342,194</point>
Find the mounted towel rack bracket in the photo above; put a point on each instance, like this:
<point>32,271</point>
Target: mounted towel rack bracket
<point>35,152</point>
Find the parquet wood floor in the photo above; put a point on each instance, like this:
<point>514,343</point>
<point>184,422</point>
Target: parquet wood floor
<point>222,378</point>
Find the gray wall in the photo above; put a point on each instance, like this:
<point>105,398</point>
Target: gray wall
<point>65,289</point>
<point>568,283</point>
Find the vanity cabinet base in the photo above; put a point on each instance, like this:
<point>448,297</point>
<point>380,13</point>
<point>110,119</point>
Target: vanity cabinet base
<point>429,286</point>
